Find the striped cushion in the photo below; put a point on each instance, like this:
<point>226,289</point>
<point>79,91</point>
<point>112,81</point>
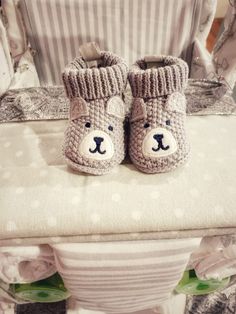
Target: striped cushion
<point>131,29</point>
<point>122,277</point>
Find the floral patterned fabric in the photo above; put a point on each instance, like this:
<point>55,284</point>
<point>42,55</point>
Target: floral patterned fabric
<point>204,97</point>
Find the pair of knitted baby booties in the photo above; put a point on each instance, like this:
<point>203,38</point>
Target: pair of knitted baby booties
<point>95,137</point>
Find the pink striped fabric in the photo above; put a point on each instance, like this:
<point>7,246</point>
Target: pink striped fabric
<point>129,28</point>
<point>123,277</point>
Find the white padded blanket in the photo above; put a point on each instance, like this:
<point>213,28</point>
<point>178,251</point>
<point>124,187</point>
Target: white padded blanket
<point>41,197</point>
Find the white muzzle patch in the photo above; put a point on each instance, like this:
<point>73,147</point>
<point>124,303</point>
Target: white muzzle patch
<point>159,142</point>
<point>97,145</point>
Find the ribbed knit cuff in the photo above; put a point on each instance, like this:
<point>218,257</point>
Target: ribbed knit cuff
<point>155,82</point>
<point>109,79</point>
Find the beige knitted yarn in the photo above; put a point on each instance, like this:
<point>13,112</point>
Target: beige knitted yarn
<point>158,140</point>
<point>94,139</point>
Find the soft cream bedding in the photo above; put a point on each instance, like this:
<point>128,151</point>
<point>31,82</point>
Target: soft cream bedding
<point>41,198</point>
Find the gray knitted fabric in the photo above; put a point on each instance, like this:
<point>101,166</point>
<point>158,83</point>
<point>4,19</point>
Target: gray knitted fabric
<point>94,139</point>
<point>158,140</point>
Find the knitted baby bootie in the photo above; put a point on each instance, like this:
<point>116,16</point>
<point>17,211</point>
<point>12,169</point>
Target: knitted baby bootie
<point>158,140</point>
<point>94,139</point>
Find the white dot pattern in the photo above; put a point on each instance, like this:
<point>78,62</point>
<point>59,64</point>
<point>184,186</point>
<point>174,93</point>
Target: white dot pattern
<point>190,189</point>
<point>75,200</point>
<point>115,170</point>
<point>7,144</point>
<point>194,192</point>
<point>171,180</point>
<point>95,218</point>
<point>136,215</point>
<point>212,141</point>
<point>43,173</point>
<point>52,222</point>
<point>116,197</point>
<point>96,183</point>
<point>6,175</point>
<point>207,177</point>
<point>57,187</point>
<point>223,130</point>
<point>219,210</point>
<point>35,204</point>
<point>37,141</point>
<point>26,131</point>
<point>187,165</point>
<point>20,190</point>
<point>201,155</point>
<point>133,181</point>
<point>179,213</point>
<point>155,195</point>
<point>19,153</point>
<point>33,164</point>
<point>192,132</point>
<point>232,190</point>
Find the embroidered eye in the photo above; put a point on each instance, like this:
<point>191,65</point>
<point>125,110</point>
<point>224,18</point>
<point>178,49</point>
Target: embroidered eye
<point>167,122</point>
<point>87,124</point>
<point>146,125</point>
<point>110,128</point>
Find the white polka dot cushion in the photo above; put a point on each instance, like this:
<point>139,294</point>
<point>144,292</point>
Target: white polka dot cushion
<point>41,198</point>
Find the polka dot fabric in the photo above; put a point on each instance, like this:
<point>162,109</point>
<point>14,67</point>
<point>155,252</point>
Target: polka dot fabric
<point>195,200</point>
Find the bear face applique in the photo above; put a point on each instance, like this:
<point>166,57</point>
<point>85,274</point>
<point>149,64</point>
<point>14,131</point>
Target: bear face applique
<point>158,138</point>
<point>95,135</point>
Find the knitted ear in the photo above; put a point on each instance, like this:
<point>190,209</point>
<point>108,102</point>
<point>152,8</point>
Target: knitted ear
<point>176,102</point>
<point>138,110</point>
<point>78,108</point>
<point>115,107</point>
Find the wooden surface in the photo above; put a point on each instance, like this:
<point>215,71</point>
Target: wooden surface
<point>213,33</point>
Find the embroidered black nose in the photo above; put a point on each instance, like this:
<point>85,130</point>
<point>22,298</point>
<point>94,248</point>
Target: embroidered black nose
<point>98,140</point>
<point>158,137</point>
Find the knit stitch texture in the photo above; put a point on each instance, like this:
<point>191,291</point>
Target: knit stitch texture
<point>95,83</point>
<point>94,139</point>
<point>158,141</point>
